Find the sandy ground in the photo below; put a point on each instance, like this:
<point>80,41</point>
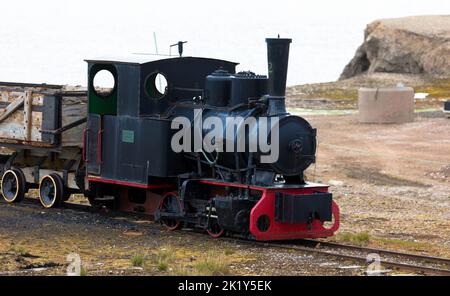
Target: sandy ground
<point>392,183</point>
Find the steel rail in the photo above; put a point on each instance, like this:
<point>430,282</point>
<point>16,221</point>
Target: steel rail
<point>438,260</point>
<point>392,264</point>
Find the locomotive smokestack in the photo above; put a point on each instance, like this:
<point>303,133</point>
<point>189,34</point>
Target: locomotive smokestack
<point>278,58</point>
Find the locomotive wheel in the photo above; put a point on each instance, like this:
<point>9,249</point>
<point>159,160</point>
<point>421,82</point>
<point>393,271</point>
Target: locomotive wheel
<point>214,229</point>
<point>13,186</point>
<point>170,203</point>
<point>51,191</point>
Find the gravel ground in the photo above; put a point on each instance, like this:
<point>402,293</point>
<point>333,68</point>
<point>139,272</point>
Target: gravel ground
<point>34,241</point>
<point>390,181</point>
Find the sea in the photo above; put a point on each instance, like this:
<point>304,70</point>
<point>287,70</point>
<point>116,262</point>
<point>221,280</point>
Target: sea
<point>47,41</point>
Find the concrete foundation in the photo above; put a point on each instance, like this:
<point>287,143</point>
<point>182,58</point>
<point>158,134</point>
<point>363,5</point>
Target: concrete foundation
<point>386,105</point>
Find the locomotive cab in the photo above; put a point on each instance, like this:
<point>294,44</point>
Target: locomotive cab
<point>124,122</point>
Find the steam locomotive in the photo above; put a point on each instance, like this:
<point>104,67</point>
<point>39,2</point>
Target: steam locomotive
<point>143,149</point>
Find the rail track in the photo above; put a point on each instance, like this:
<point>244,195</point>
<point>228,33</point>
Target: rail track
<point>389,260</point>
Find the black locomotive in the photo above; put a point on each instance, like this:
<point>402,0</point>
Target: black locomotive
<point>240,185</point>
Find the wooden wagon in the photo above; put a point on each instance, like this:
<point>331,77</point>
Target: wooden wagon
<point>41,135</point>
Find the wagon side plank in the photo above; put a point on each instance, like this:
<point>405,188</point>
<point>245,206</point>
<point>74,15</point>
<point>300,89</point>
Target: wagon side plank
<point>11,108</point>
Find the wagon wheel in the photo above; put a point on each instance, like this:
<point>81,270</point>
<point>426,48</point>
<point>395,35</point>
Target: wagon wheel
<point>170,203</point>
<point>214,229</point>
<point>51,191</point>
<point>13,185</point>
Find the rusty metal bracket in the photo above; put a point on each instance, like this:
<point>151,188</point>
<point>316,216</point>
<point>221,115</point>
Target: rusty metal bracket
<point>66,127</point>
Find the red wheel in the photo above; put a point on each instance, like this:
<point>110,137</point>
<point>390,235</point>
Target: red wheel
<point>170,203</point>
<point>214,229</point>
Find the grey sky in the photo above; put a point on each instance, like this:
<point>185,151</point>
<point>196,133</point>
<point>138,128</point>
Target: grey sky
<point>46,41</point>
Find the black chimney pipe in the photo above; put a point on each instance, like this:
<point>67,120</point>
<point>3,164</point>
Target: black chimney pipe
<point>278,58</point>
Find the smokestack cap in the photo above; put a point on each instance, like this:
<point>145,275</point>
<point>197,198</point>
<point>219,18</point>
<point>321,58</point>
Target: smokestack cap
<point>278,40</point>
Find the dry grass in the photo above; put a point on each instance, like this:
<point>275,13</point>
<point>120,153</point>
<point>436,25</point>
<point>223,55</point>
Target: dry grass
<point>138,260</point>
<point>412,246</point>
<point>213,263</point>
<point>363,238</point>
<point>439,89</point>
<point>163,258</point>
<point>360,238</point>
<point>18,250</point>
<point>228,252</point>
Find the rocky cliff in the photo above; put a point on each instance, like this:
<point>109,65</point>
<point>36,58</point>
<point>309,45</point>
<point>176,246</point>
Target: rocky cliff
<point>414,45</point>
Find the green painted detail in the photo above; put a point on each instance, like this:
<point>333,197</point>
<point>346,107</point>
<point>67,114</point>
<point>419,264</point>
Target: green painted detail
<point>150,86</point>
<point>100,104</point>
<point>128,136</point>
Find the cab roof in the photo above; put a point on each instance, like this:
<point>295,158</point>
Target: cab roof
<point>142,59</point>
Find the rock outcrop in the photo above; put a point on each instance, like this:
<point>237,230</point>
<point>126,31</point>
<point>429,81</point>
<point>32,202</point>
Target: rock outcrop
<point>414,45</point>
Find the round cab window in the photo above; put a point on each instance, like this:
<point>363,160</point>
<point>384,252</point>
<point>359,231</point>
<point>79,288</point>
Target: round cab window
<point>156,85</point>
<point>104,83</point>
